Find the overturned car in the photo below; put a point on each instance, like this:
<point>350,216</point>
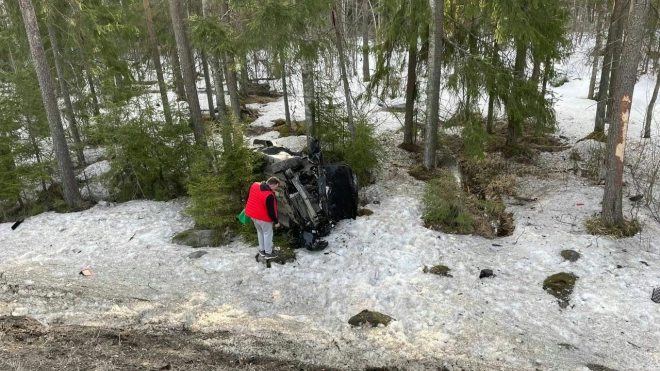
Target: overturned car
<point>315,195</point>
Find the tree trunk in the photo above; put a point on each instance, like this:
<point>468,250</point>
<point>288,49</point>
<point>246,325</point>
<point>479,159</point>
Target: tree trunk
<point>649,110</point>
<point>188,70</point>
<point>433,88</point>
<point>92,92</point>
<point>546,75</point>
<point>492,94</point>
<point>514,118</point>
<point>244,78</point>
<point>209,87</point>
<point>230,78</point>
<point>365,41</point>
<point>612,213</point>
<point>230,70</point>
<point>71,192</point>
<point>617,48</point>
<point>604,85</point>
<point>342,69</point>
<point>66,95</point>
<point>536,70</point>
<point>308,98</point>
<point>219,89</point>
<point>287,112</point>
<point>411,84</point>
<point>594,65</point>
<point>155,56</point>
<point>176,75</point>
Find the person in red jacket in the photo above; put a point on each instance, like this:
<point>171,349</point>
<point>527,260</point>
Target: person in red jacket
<point>261,207</point>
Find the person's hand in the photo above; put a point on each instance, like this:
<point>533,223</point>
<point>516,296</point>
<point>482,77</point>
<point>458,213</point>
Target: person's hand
<point>277,225</point>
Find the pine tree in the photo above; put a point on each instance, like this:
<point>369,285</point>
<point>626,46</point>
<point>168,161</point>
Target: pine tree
<point>612,211</point>
<point>433,89</point>
<point>188,70</point>
<point>71,192</point>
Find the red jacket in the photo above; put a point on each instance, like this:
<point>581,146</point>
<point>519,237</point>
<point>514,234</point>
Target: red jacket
<point>261,203</point>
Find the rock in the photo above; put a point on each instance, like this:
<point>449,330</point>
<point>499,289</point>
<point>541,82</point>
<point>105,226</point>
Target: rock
<point>197,238</point>
<point>485,273</point>
<point>570,255</point>
<point>19,312</point>
<point>560,285</point>
<point>372,318</point>
<point>364,212</point>
<point>197,254</point>
<point>440,270</point>
<point>595,367</point>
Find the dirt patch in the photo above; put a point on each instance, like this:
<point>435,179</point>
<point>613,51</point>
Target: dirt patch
<point>254,131</point>
<point>259,99</point>
<point>25,344</point>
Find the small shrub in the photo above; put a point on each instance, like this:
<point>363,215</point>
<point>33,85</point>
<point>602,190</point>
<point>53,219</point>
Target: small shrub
<point>365,153</point>
<point>217,193</point>
<point>444,205</point>
<point>629,228</point>
<point>419,172</point>
<point>594,163</point>
<point>449,209</point>
<point>149,160</point>
<point>559,80</point>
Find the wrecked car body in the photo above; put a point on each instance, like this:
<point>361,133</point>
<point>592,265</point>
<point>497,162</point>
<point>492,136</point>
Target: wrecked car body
<point>315,195</point>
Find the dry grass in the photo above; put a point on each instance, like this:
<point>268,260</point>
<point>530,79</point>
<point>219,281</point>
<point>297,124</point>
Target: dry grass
<point>629,228</point>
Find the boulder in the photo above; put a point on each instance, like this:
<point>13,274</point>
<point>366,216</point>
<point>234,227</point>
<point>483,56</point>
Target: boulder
<point>440,270</point>
<point>570,255</point>
<point>560,285</point>
<point>369,317</point>
<point>196,238</point>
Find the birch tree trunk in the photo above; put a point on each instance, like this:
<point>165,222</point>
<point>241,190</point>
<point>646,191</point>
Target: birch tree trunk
<point>219,89</point>
<point>209,87</point>
<point>612,212</point>
<point>70,188</point>
<point>649,111</point>
<point>232,86</point>
<point>188,70</point>
<point>597,52</point>
<point>433,88</point>
<point>287,112</point>
<point>365,41</point>
<point>155,56</point>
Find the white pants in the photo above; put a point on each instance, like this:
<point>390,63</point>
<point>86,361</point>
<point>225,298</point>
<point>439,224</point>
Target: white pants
<point>265,235</point>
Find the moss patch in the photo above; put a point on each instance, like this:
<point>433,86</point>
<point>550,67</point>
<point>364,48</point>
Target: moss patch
<point>595,367</point>
<point>364,212</point>
<point>440,270</point>
<point>297,128</point>
<point>628,228</point>
<point>598,136</point>
<point>369,317</point>
<point>570,255</point>
<point>560,285</point>
<point>447,208</point>
<point>419,172</point>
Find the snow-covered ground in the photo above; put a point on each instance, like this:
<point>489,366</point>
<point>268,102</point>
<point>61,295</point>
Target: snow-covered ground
<point>141,280</point>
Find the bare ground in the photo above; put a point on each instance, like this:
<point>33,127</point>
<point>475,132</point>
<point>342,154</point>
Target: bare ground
<point>26,344</point>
